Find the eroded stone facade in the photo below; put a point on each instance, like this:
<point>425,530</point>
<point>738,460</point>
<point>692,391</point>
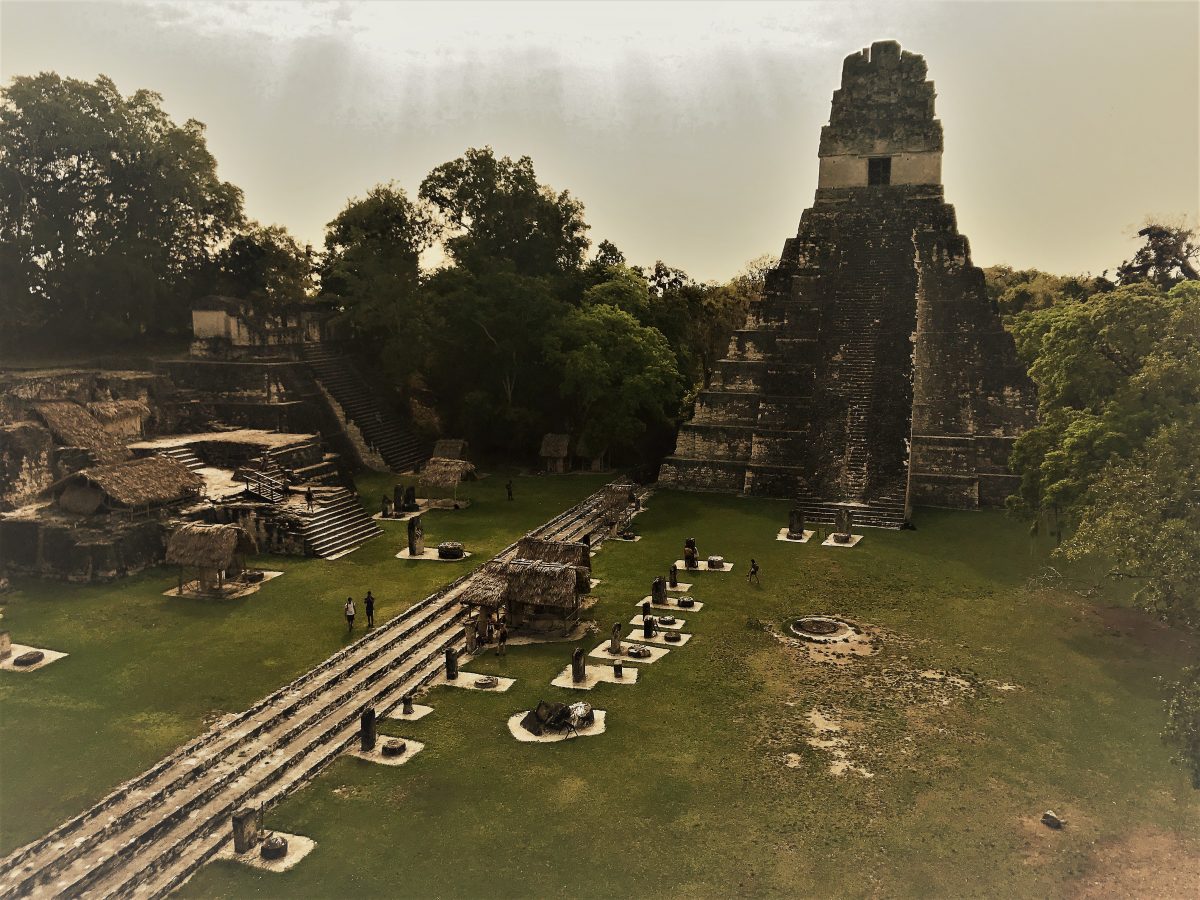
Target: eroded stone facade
<point>874,371</point>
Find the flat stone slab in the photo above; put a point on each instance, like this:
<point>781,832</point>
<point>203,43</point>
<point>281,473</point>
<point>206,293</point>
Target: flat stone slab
<point>636,621</point>
<point>632,540</point>
<point>672,606</point>
<point>830,542</point>
<point>703,567</point>
<point>680,588</point>
<point>431,553</point>
<point>419,712</point>
<point>659,639</point>
<point>592,582</point>
<point>191,589</point>
<point>656,653</point>
<point>404,517</point>
<point>411,749</point>
<point>18,649</point>
<point>783,536</point>
<point>595,675</point>
<point>298,848</point>
<point>467,680</point>
<point>515,729</point>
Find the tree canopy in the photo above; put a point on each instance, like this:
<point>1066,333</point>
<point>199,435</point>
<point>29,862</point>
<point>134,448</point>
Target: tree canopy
<point>111,214</point>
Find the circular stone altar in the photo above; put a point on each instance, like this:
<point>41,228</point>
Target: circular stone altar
<point>822,629</point>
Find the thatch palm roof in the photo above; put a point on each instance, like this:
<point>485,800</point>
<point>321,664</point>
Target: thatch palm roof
<point>555,446</point>
<point>446,473</point>
<point>208,546</point>
<point>149,481</point>
<point>614,499</point>
<point>114,410</point>
<point>449,448</point>
<point>544,583</point>
<point>74,426</point>
<point>568,553</point>
<point>486,588</point>
<point>524,581</point>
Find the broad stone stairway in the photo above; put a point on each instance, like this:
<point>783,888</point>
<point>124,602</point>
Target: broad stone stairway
<point>337,524</point>
<point>150,834</point>
<point>183,454</point>
<point>380,427</point>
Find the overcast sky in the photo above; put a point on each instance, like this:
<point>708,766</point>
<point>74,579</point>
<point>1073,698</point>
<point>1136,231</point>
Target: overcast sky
<point>688,130</point>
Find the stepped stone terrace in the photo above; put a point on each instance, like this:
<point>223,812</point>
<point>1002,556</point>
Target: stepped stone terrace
<point>873,373</point>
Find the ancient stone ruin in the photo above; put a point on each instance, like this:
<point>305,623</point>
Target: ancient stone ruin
<point>874,371</point>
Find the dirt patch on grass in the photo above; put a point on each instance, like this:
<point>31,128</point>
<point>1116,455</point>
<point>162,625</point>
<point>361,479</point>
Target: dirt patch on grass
<point>1140,626</point>
<point>1146,864</point>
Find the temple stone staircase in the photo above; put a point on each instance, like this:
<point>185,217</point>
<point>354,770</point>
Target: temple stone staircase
<point>337,524</point>
<point>381,428</point>
<point>183,454</point>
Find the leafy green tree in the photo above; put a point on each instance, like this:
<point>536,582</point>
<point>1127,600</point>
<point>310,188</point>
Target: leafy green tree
<point>1169,255</point>
<point>1110,371</point>
<point>1183,721</point>
<point>110,213</point>
<point>499,215</point>
<point>371,271</point>
<point>486,358</point>
<point>266,265</point>
<point>619,377</point>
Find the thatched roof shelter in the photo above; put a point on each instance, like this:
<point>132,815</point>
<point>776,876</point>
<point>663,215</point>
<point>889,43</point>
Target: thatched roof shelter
<point>74,426</point>
<point>115,410</point>
<point>133,484</point>
<point>446,473</point>
<point>614,500</point>
<point>208,546</point>
<point>449,448</point>
<point>486,588</point>
<point>533,581</point>
<point>524,581</point>
<point>568,553</point>
<point>555,446</point>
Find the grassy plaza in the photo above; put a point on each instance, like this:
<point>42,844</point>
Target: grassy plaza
<point>996,693</point>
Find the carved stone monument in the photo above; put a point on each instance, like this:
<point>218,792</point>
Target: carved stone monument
<point>410,499</point>
<point>658,591</point>
<point>397,498</point>
<point>366,729</point>
<point>245,829</point>
<point>578,667</point>
<point>796,523</point>
<point>645,608</point>
<point>842,525</point>
<point>472,638</point>
<point>416,537</point>
<point>451,664</point>
<point>673,576</point>
<point>649,626</point>
<point>406,704</point>
<point>614,644</point>
<point>385,507</point>
<point>5,645</point>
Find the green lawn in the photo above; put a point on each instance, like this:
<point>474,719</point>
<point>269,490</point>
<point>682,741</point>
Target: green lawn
<point>690,791</point>
<point>147,672</point>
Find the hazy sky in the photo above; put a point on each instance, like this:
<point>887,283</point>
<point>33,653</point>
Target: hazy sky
<point>688,130</point>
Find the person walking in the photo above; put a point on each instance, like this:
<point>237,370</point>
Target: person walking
<point>752,575</point>
<point>308,498</point>
<point>502,641</point>
<point>369,603</point>
<point>508,487</point>
<point>349,610</point>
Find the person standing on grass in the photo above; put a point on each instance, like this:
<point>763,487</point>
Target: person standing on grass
<point>502,641</point>
<point>752,575</point>
<point>349,610</point>
<point>508,487</point>
<point>369,603</point>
